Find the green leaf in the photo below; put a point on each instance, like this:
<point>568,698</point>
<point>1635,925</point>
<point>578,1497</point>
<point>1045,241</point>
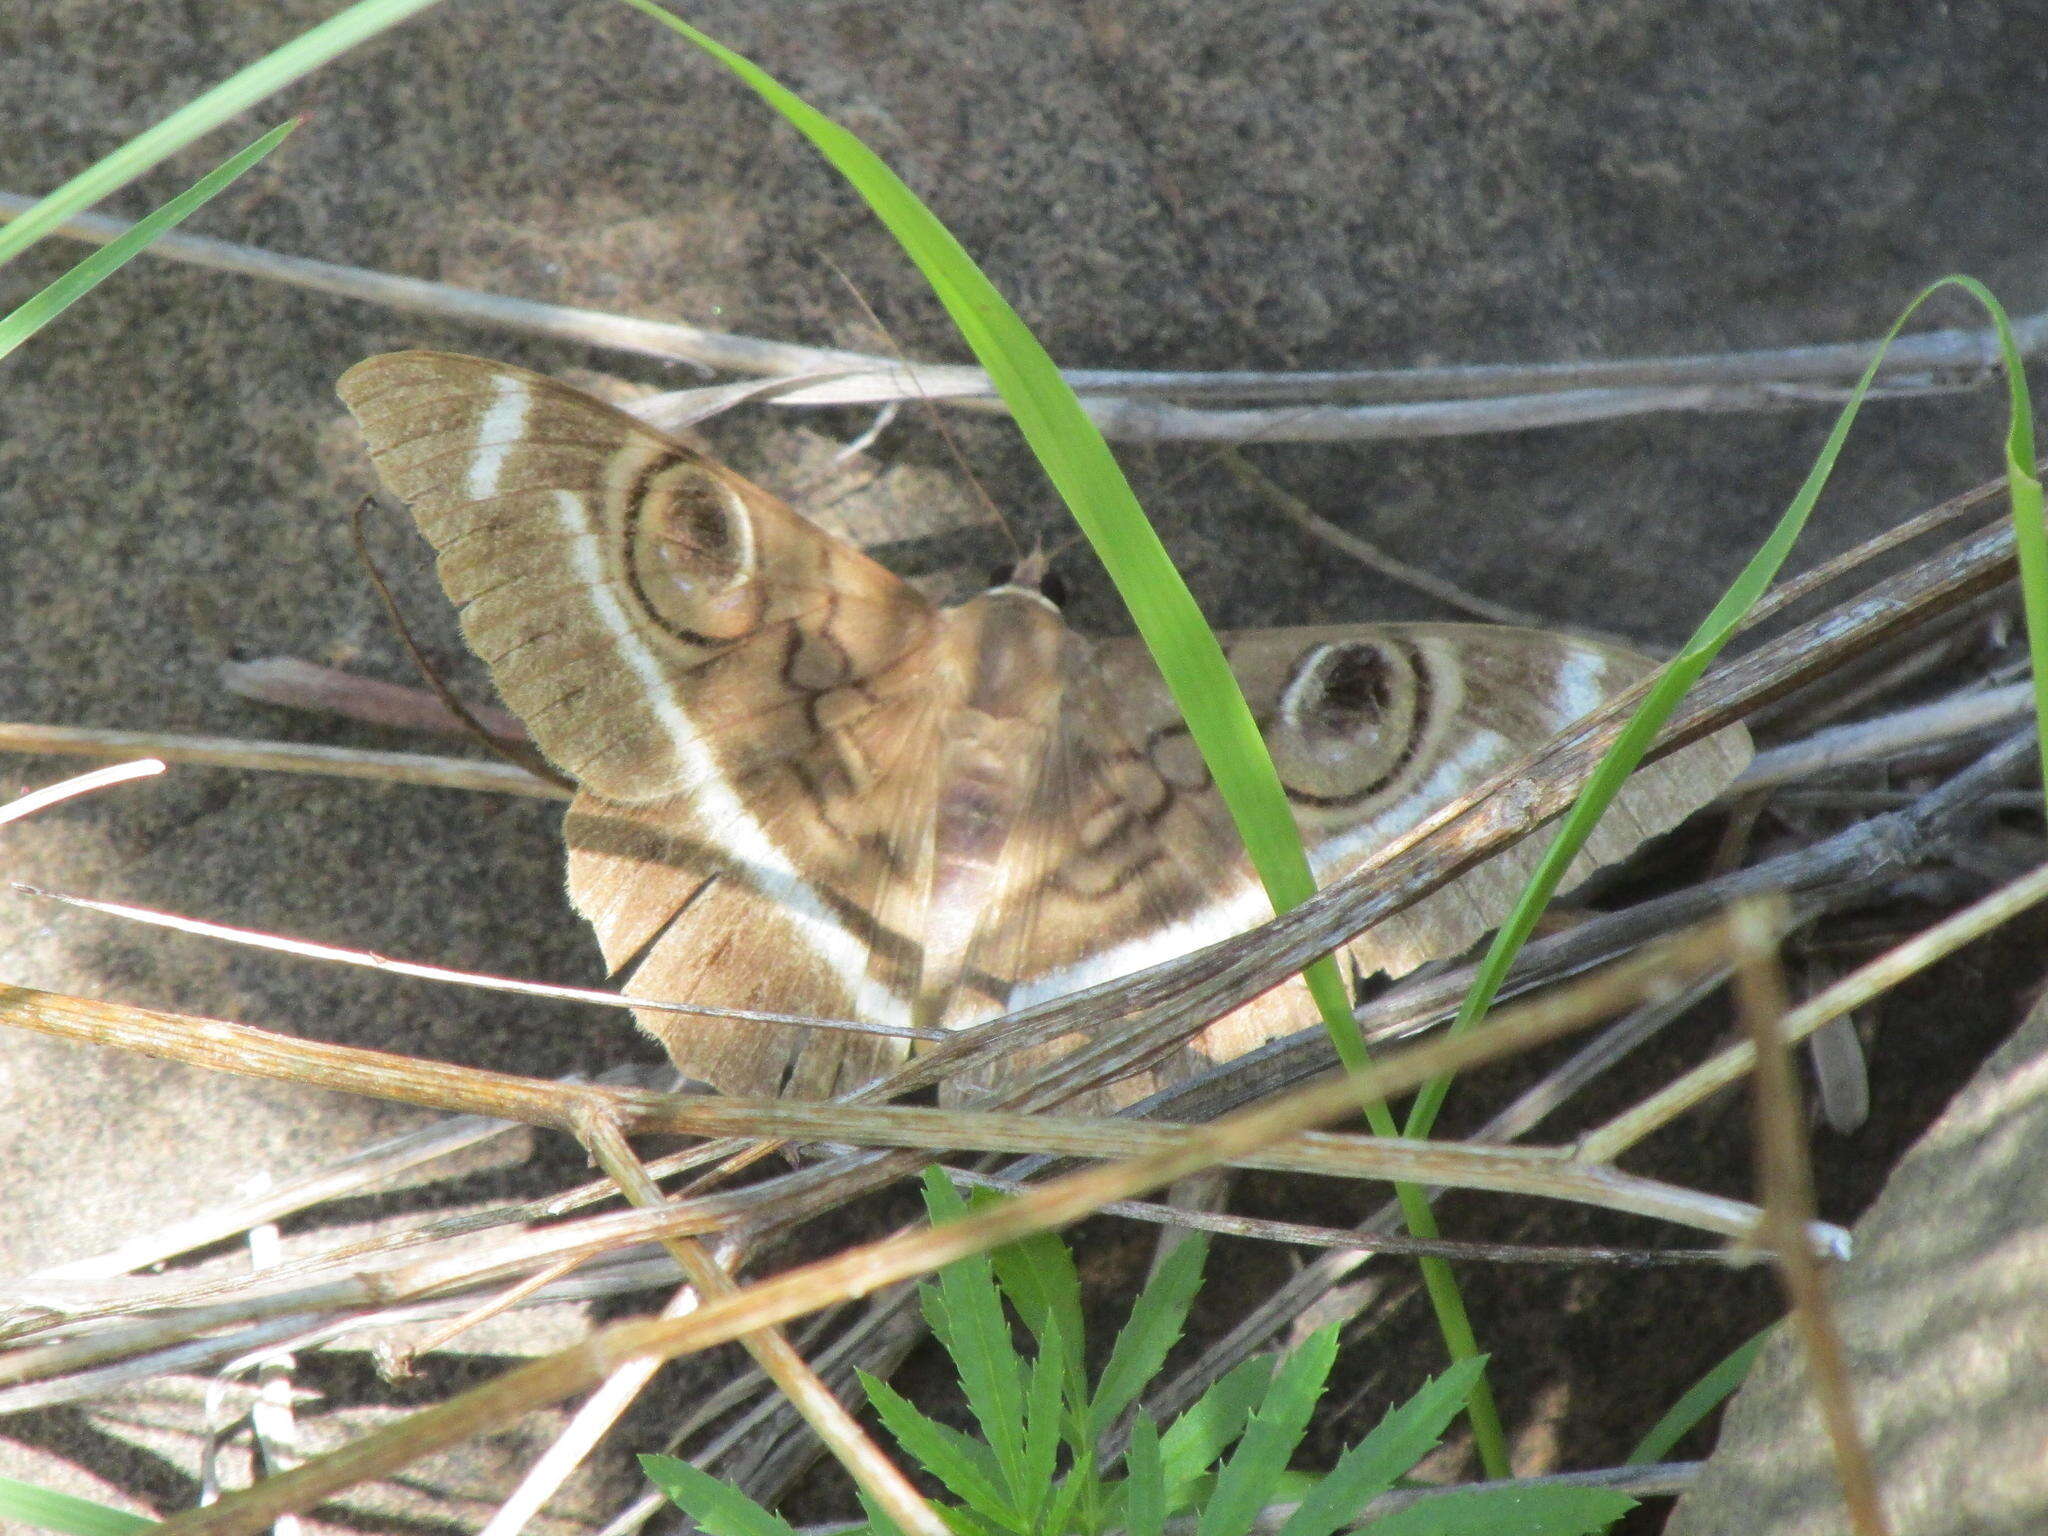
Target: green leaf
<point>1153,1328</point>
<point>1192,1442</point>
<point>41,308</point>
<point>959,1461</point>
<point>1506,1512</point>
<point>1701,1399</point>
<point>204,113</point>
<point>1044,1417</point>
<point>45,1509</point>
<point>1144,1487</point>
<point>1038,1276</point>
<point>720,1508</point>
<point>966,1313</point>
<point>1081,468</point>
<point>1401,1439</point>
<point>1270,1438</point>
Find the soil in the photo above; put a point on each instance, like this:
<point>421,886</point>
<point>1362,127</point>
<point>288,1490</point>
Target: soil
<point>1160,184</point>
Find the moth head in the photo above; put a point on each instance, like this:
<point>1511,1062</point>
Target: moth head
<point>1033,575</point>
<point>691,549</point>
<point>1350,716</point>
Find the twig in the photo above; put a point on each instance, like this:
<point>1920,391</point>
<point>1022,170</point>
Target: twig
<point>1785,1186</point>
<point>1872,740</point>
<point>82,784</point>
<point>862,1270</point>
<point>1133,405</point>
<point>279,756</point>
<point>567,1106</point>
<point>305,949</point>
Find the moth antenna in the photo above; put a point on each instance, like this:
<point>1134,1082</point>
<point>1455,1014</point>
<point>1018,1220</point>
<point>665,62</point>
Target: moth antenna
<point>511,752</point>
<point>932,413</point>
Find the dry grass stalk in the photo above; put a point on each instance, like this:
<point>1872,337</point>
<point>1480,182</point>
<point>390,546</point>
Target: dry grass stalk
<point>866,1269</point>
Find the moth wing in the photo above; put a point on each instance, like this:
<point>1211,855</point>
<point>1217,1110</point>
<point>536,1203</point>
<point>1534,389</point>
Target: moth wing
<point>716,671</point>
<point>1372,729</point>
<point>659,622</point>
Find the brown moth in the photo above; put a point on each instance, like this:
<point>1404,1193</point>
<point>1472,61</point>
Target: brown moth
<point>806,789</point>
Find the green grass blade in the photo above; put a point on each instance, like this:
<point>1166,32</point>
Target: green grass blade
<point>1672,684</point>
<point>1506,1512</point>
<point>1271,1437</point>
<point>40,309</point>
<point>1700,1399</point>
<point>719,1508</point>
<point>2023,491</point>
<point>204,113</point>
<point>1086,474</point>
<point>1153,1328</point>
<point>1409,1432</point>
<point>24,1506</point>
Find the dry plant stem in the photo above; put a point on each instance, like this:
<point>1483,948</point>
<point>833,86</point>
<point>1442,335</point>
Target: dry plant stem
<point>1785,1186</point>
<point>1846,868</point>
<point>81,784</point>
<point>1503,397</point>
<point>864,1270</point>
<point>877,1476</point>
<point>278,756</point>
<point>292,683</point>
<point>499,1304</point>
<point>1363,1243</point>
<point>1305,517</point>
<point>1988,495</point>
<point>307,950</point>
<point>1859,987</point>
<point>1886,736</point>
<point>251,1052</point>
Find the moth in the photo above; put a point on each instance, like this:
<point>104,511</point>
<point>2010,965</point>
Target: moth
<point>805,788</point>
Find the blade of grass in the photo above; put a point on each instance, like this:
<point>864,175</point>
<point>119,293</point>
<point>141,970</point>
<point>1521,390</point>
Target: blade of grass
<point>45,1509</point>
<point>41,308</point>
<point>240,91</point>
<point>1699,1400</point>
<point>1078,462</point>
<point>1706,642</point>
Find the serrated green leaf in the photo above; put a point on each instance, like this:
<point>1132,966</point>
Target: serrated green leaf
<point>1401,1439</point>
<point>967,1316</point>
<point>1192,1442</point>
<point>1506,1512</point>
<point>1144,1485</point>
<point>1271,1437</point>
<point>1044,1418</point>
<point>1153,1328</point>
<point>720,1508</point>
<point>25,1506</point>
<point>963,1464</point>
<point>1038,1276</point>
